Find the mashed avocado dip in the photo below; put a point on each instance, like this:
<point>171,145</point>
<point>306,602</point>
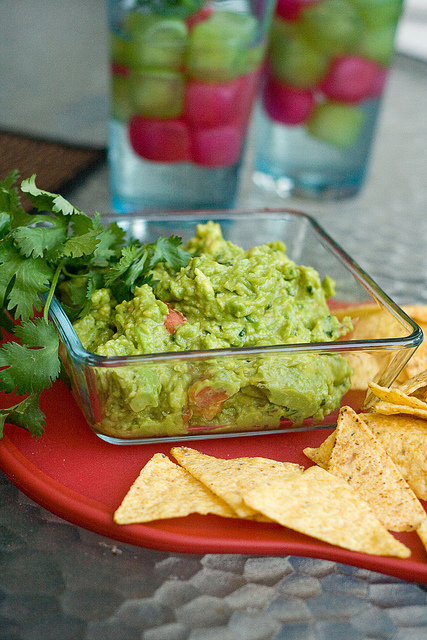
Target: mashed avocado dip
<point>226,297</point>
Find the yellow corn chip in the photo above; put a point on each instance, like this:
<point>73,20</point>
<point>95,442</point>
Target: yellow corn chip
<point>369,321</point>
<point>422,533</point>
<point>388,409</point>
<point>325,507</point>
<point>356,311</point>
<point>395,395</point>
<point>229,479</point>
<point>417,385</point>
<point>366,367</point>
<point>403,437</point>
<point>360,459</point>
<point>418,362</point>
<point>372,322</point>
<point>418,312</point>
<point>321,455</point>
<point>405,440</point>
<point>165,490</point>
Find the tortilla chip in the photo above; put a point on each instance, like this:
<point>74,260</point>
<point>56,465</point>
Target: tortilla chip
<point>321,455</point>
<point>361,460</point>
<point>370,321</point>
<point>405,439</point>
<point>229,479</point>
<point>418,361</point>
<point>388,409</point>
<point>356,311</point>
<point>395,395</point>
<point>325,507</point>
<point>165,490</point>
<point>416,364</point>
<point>415,386</point>
<point>418,312</point>
<point>422,533</point>
<point>366,367</point>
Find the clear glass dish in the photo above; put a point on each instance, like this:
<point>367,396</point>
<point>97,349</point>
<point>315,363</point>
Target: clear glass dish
<point>383,340</point>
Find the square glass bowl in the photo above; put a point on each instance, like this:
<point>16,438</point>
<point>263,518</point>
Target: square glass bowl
<point>115,393</point>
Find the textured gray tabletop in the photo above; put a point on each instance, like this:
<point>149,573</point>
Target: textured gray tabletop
<point>61,581</point>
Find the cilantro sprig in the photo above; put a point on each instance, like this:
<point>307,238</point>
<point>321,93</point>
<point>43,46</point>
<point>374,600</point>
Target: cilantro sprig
<point>59,251</point>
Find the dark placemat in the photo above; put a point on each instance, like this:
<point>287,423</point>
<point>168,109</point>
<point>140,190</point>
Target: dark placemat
<point>56,164</point>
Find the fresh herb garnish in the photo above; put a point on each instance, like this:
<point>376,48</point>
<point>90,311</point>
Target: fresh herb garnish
<point>61,251</point>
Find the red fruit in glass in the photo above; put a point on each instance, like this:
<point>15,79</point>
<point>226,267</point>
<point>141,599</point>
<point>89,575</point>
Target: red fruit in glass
<point>160,140</point>
<point>377,87</point>
<point>291,9</point>
<point>285,104</point>
<point>201,15</point>
<point>119,70</point>
<point>211,105</point>
<point>350,79</point>
<point>217,146</point>
<point>248,87</point>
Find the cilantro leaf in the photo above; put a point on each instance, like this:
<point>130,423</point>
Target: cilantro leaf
<point>78,246</point>
<point>10,201</point>
<point>75,294</point>
<point>35,364</point>
<point>136,263</point>
<point>5,321</point>
<point>139,272</point>
<point>106,253</point>
<point>61,251</point>
<point>81,224</point>
<point>4,224</point>
<point>169,250</point>
<point>128,258</point>
<point>21,281</point>
<point>39,240</point>
<point>9,181</point>
<point>25,414</point>
<point>46,201</point>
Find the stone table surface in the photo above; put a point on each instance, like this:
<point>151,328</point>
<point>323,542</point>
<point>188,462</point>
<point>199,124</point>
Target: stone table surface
<point>61,581</point>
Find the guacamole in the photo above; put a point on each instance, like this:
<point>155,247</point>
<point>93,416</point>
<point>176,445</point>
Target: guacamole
<point>225,298</point>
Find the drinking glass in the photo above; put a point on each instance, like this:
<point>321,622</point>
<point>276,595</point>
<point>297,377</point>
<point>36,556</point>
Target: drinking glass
<point>322,91</point>
<point>184,75</point>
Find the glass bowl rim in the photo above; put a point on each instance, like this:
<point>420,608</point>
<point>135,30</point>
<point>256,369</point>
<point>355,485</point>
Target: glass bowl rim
<point>414,339</point>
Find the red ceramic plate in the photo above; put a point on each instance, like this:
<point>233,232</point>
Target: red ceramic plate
<point>81,478</point>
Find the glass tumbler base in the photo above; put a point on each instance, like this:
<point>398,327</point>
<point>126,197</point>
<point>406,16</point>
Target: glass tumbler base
<point>137,184</point>
<point>307,185</point>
